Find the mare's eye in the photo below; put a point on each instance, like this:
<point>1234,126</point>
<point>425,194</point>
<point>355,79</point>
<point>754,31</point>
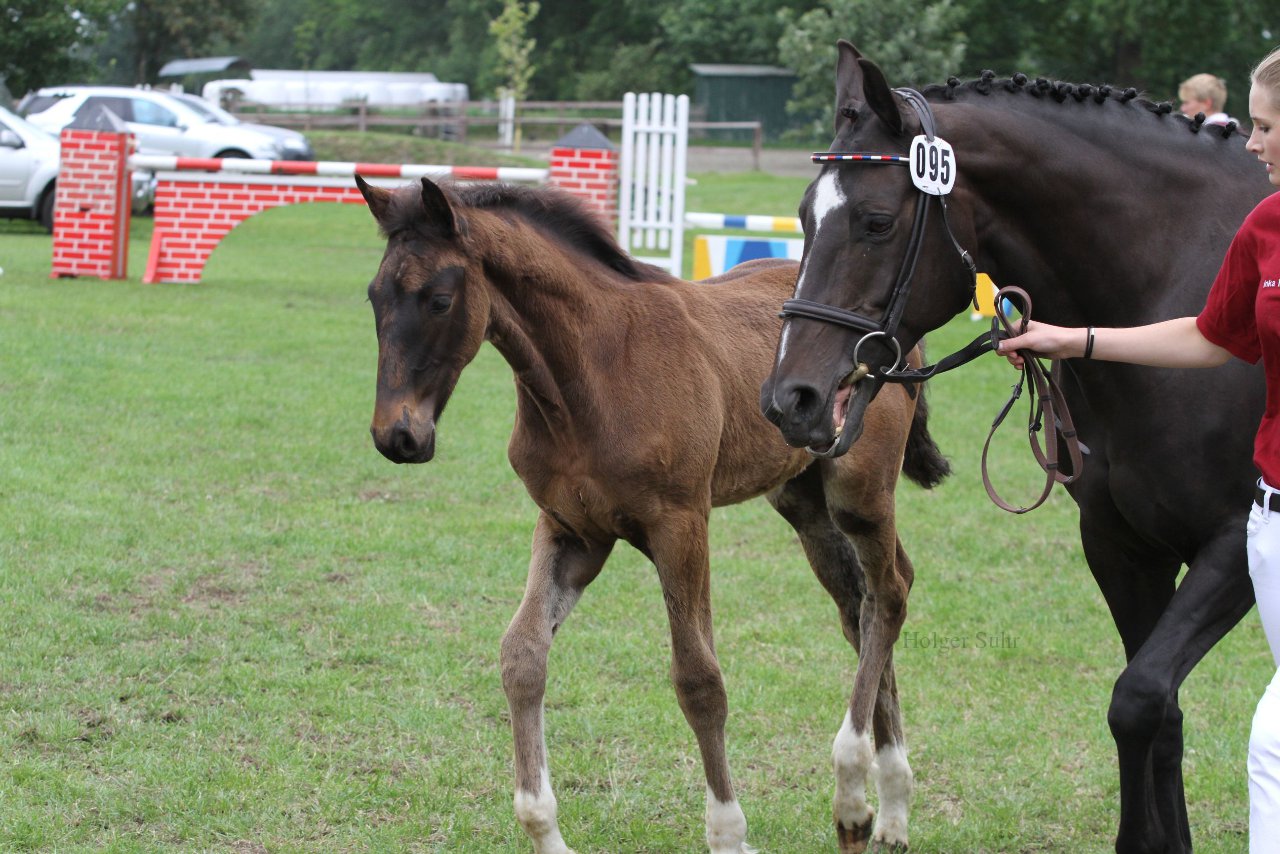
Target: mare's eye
<point>879,225</point>
<point>439,303</point>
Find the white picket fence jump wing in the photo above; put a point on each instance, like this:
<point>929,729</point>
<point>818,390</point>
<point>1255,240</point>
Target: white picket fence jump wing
<point>652,168</point>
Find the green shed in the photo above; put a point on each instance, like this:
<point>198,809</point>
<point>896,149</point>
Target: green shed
<point>744,93</point>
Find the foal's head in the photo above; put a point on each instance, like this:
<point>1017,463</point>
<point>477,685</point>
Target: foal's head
<point>430,324</point>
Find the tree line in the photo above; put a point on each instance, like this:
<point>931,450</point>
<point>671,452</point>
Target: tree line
<point>598,49</point>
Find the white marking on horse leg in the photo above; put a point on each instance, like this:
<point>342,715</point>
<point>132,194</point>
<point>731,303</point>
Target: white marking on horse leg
<point>726,827</point>
<point>893,784</point>
<point>852,754</point>
<point>536,812</point>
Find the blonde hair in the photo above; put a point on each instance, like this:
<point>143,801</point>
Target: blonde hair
<point>1267,75</point>
<point>1205,87</point>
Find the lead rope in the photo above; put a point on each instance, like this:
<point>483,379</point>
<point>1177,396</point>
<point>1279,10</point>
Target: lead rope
<point>1048,412</point>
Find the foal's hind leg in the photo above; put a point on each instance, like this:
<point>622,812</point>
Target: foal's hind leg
<point>560,567</point>
<point>802,502</point>
<point>679,550</point>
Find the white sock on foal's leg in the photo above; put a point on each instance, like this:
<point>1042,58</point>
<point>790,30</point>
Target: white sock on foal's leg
<point>536,813</point>
<point>852,754</point>
<point>726,827</point>
<point>893,784</point>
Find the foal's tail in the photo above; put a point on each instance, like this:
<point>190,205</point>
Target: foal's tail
<point>923,462</point>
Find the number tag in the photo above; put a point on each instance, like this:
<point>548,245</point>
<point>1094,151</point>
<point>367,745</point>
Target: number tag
<point>933,165</point>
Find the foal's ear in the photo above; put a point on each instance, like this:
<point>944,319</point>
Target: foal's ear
<point>860,81</point>
<point>377,198</point>
<point>437,210</point>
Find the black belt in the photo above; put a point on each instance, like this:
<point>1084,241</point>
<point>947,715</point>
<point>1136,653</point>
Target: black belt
<point>1266,499</point>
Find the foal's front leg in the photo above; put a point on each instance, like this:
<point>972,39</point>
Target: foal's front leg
<point>560,568</point>
<point>680,552</point>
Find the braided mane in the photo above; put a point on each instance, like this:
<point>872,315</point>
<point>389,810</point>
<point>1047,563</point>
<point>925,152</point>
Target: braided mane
<point>1055,90</point>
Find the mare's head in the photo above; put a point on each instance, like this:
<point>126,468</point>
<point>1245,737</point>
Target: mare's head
<point>859,218</point>
<point>430,322</point>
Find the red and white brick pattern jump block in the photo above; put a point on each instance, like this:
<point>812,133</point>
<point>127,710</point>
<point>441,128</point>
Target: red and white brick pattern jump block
<point>91,209</point>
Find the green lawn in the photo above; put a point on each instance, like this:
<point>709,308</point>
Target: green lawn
<point>232,625</point>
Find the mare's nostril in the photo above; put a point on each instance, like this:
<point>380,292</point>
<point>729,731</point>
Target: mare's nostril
<point>804,401</point>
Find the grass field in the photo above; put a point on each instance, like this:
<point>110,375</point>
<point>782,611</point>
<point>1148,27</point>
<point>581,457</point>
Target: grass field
<point>230,625</point>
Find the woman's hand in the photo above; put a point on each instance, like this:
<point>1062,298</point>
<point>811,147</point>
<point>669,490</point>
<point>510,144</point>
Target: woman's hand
<point>1050,342</point>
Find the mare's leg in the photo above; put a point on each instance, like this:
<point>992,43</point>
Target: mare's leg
<point>560,568</point>
<point>874,705</point>
<point>1165,634</point>
<point>679,550</point>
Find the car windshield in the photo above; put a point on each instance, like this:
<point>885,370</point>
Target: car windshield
<point>208,111</point>
<point>16,122</point>
<point>35,103</point>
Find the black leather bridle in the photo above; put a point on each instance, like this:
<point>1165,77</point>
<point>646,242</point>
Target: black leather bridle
<point>1048,404</point>
<point>887,326</point>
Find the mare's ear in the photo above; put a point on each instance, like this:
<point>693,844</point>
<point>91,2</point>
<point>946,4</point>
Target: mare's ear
<point>437,208</point>
<point>377,198</point>
<point>860,81</point>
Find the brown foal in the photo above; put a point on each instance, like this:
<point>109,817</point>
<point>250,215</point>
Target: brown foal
<point>636,413</point>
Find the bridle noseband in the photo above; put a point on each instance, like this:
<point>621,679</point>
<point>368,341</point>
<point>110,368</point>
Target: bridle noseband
<point>887,327</point>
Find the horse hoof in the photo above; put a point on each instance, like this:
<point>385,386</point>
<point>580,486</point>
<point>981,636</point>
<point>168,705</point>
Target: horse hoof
<point>853,840</point>
<point>883,846</point>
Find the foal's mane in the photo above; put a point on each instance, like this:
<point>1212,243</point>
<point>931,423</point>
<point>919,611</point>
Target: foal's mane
<point>555,214</point>
<point>1056,91</point>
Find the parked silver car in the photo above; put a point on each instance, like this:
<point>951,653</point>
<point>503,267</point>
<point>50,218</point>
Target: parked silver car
<point>296,146</point>
<point>28,170</point>
<point>29,163</point>
<point>163,123</point>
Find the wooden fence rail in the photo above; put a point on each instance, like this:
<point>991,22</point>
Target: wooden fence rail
<point>455,121</point>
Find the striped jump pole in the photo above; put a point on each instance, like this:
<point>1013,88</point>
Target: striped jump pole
<point>199,200</point>
<point>747,222</point>
<point>334,169</point>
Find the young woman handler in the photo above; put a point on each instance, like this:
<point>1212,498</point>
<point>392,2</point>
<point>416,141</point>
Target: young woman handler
<point>1241,318</point>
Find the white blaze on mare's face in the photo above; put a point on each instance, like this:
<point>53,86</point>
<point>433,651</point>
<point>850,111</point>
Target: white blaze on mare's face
<point>828,199</point>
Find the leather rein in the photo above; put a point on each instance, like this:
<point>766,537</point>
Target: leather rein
<point>1048,407</point>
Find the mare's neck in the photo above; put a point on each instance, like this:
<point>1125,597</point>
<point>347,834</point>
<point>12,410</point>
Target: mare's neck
<point>1106,213</point>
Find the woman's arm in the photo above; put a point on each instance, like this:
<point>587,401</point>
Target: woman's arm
<point>1169,344</point>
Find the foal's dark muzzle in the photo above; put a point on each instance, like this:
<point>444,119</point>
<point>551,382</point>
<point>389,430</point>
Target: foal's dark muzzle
<point>406,440</point>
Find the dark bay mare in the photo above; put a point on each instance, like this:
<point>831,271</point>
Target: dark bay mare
<point>1107,211</point>
<point>635,415</point>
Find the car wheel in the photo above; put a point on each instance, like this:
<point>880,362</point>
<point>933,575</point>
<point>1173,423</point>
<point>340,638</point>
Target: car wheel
<point>233,154</point>
<point>44,209</point>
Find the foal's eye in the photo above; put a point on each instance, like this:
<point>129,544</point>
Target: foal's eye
<point>439,303</point>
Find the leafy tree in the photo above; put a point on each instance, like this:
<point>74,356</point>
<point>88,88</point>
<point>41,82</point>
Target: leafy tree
<point>618,42</point>
<point>1149,44</point>
<point>157,31</point>
<point>913,41</point>
<point>723,31</point>
<point>514,46</point>
<point>45,43</point>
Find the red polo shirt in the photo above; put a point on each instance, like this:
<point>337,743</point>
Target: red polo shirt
<point>1242,315</point>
